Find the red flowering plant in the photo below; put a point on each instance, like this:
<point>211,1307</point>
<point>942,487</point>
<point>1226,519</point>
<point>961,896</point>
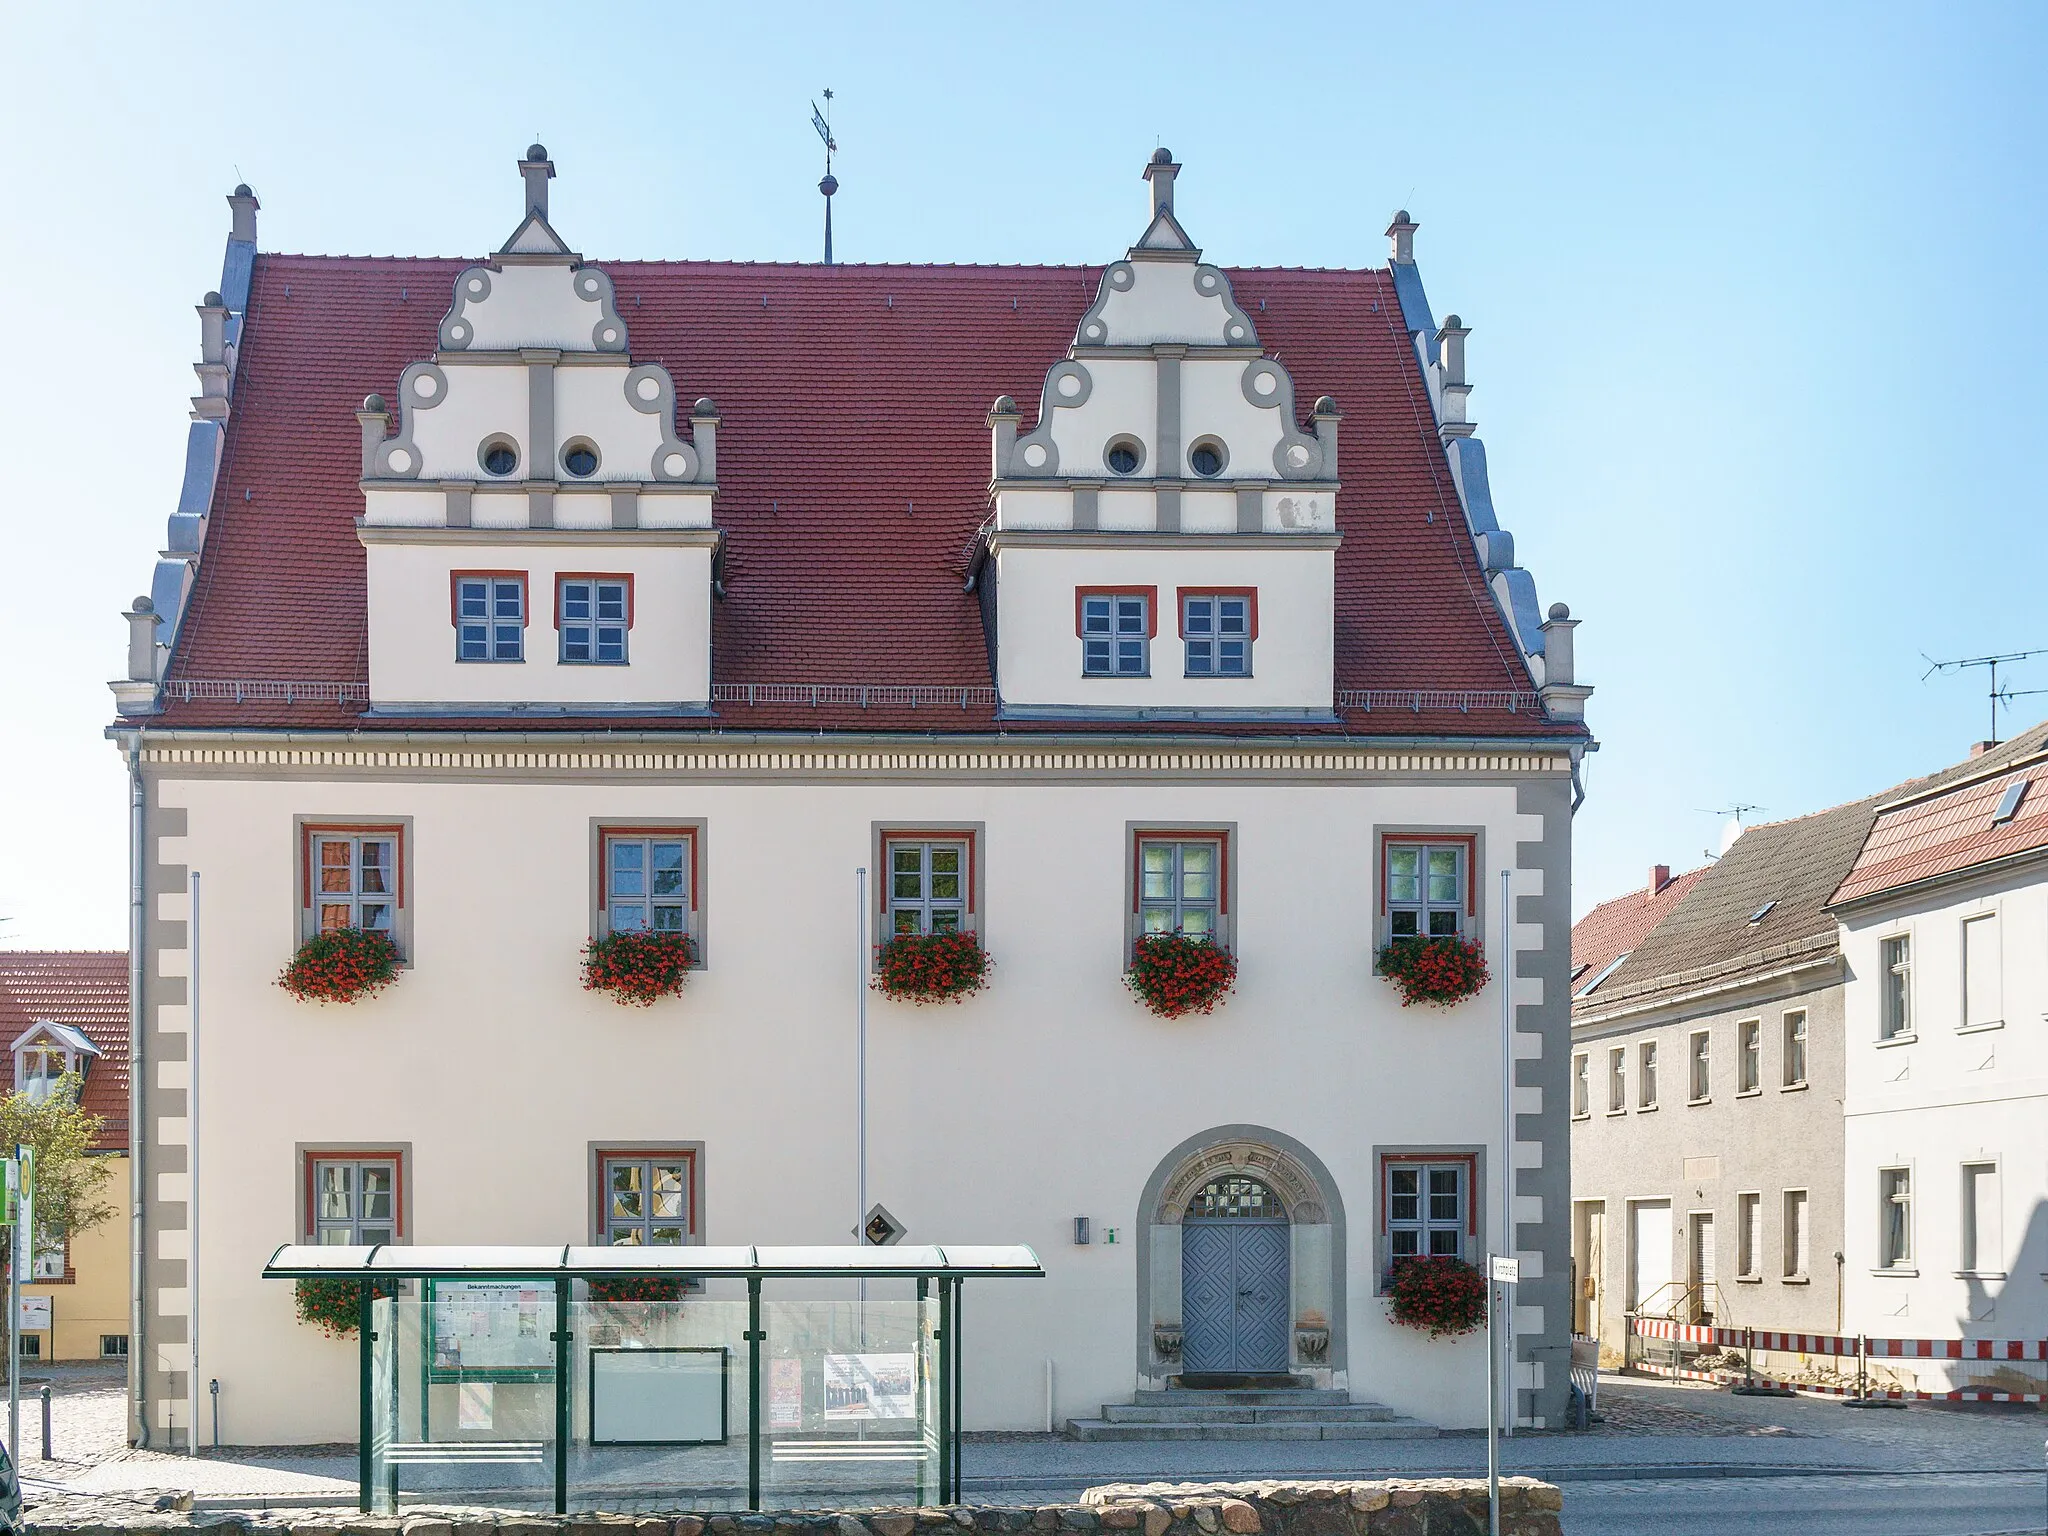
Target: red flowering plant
<point>1437,971</point>
<point>638,965</point>
<point>931,967</point>
<point>341,965</point>
<point>637,1288</point>
<point>1178,973</point>
<point>334,1305</point>
<point>1441,1295</point>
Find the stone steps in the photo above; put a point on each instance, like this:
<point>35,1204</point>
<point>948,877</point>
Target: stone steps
<point>1270,1414</point>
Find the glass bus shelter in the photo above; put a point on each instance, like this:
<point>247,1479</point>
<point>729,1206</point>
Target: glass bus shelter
<point>656,1378</point>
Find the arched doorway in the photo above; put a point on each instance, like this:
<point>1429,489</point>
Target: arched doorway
<point>1241,1208</point>
<point>1234,1279</point>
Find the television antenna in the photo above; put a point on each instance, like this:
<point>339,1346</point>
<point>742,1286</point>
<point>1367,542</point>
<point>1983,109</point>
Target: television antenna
<point>1735,813</point>
<point>1995,694</point>
<point>822,121</point>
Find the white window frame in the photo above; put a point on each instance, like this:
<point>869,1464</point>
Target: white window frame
<point>1795,1039</point>
<point>1749,1057</point>
<point>1582,1086</point>
<point>1749,1235</point>
<point>1699,1067</point>
<point>354,1227</point>
<point>1895,987</point>
<point>1426,1226</point>
<point>1163,892</point>
<point>361,897</point>
<point>1221,644</point>
<point>32,1061</point>
<point>1116,634</point>
<point>1646,1075</point>
<point>1419,909</point>
<point>1972,1240</point>
<point>611,1222</point>
<point>594,631</point>
<point>492,618</point>
<point>916,882</point>
<point>676,899</point>
<point>1980,928</point>
<point>1617,1080</point>
<point>1795,1236</point>
<point>1895,1194</point>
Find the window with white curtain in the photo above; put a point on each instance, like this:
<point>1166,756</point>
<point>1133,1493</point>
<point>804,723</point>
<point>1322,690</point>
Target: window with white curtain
<point>1894,1218</point>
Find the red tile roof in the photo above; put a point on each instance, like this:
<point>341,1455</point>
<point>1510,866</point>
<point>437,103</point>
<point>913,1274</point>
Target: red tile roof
<point>853,463</point>
<point>87,989</point>
<point>1946,831</point>
<point>1615,927</point>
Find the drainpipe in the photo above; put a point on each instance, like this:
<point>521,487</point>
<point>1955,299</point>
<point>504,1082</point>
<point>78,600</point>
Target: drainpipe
<point>138,1353</point>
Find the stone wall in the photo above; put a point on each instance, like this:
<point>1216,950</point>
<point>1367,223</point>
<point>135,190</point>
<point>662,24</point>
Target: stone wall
<point>1390,1507</point>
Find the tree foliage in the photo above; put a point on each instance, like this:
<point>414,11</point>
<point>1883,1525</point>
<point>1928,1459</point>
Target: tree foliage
<point>70,1183</point>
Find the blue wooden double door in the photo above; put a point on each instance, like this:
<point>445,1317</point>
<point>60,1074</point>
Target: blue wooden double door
<point>1234,1295</point>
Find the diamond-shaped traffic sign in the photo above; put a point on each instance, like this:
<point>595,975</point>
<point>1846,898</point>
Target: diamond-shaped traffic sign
<point>881,1229</point>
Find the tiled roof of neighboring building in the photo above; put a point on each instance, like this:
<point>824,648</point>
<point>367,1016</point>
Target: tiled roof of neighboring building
<point>853,465</point>
<point>1944,831</point>
<point>1615,927</point>
<point>86,989</point>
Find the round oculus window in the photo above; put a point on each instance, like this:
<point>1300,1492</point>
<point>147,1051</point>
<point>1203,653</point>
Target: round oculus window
<point>500,458</point>
<point>1123,456</point>
<point>1206,459</point>
<point>580,459</point>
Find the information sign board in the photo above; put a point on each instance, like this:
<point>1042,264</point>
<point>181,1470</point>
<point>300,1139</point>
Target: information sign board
<point>492,1329</point>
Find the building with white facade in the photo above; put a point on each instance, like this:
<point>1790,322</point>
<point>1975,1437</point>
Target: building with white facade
<point>1944,923</point>
<point>493,582</point>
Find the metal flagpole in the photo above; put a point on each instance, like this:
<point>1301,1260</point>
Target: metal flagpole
<point>1507,1144</point>
<point>1492,1413</point>
<point>14,1247</point>
<point>192,1172</point>
<point>860,928</point>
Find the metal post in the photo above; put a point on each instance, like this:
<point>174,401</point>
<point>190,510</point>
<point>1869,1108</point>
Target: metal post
<point>365,1370</point>
<point>48,1454</point>
<point>565,1361</point>
<point>14,1252</point>
<point>754,1338</point>
<point>192,1008</point>
<point>923,1399</point>
<point>1492,1413</point>
<point>959,1383</point>
<point>860,1065</point>
<point>1862,1378</point>
<point>945,1391</point>
<point>1507,1142</point>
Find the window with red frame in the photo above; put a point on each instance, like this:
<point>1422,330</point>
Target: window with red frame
<point>1429,1207</point>
<point>353,1199</point>
<point>650,880</point>
<point>354,878</point>
<point>648,1198</point>
<point>1428,886</point>
<point>490,615</point>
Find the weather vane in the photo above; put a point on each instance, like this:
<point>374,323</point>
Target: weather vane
<point>822,121</point>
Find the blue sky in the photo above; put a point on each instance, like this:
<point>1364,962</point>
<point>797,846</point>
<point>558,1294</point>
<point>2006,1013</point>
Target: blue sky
<point>1754,292</point>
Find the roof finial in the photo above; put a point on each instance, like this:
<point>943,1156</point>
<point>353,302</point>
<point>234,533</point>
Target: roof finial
<point>537,170</point>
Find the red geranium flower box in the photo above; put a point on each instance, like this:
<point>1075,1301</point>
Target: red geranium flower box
<point>1443,1296</point>
<point>931,967</point>
<point>341,965</point>
<point>1176,973</point>
<point>1436,971</point>
<point>638,965</point>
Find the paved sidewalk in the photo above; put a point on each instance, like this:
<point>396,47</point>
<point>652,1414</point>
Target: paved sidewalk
<point>1654,1430</point>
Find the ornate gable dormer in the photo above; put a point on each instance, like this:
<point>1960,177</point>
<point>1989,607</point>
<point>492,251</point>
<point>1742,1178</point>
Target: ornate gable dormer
<point>1167,467</point>
<point>539,532</point>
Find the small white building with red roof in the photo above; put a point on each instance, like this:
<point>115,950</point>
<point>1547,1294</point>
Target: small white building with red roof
<point>518,603</point>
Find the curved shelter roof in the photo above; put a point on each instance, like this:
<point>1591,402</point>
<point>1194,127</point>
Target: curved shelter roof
<point>303,1261</point>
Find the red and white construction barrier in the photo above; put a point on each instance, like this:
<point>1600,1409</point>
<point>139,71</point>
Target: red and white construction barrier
<point>1845,1347</point>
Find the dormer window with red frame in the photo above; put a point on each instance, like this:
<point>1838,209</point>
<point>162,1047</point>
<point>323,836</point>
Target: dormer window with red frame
<point>593,614</point>
<point>490,615</point>
<point>1217,630</point>
<point>1116,629</point>
<point>1428,890</point>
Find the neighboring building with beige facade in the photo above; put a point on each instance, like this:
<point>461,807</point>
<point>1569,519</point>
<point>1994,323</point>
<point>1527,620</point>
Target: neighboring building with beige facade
<point>67,1011</point>
<point>1706,1092</point>
<point>471,619</point>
